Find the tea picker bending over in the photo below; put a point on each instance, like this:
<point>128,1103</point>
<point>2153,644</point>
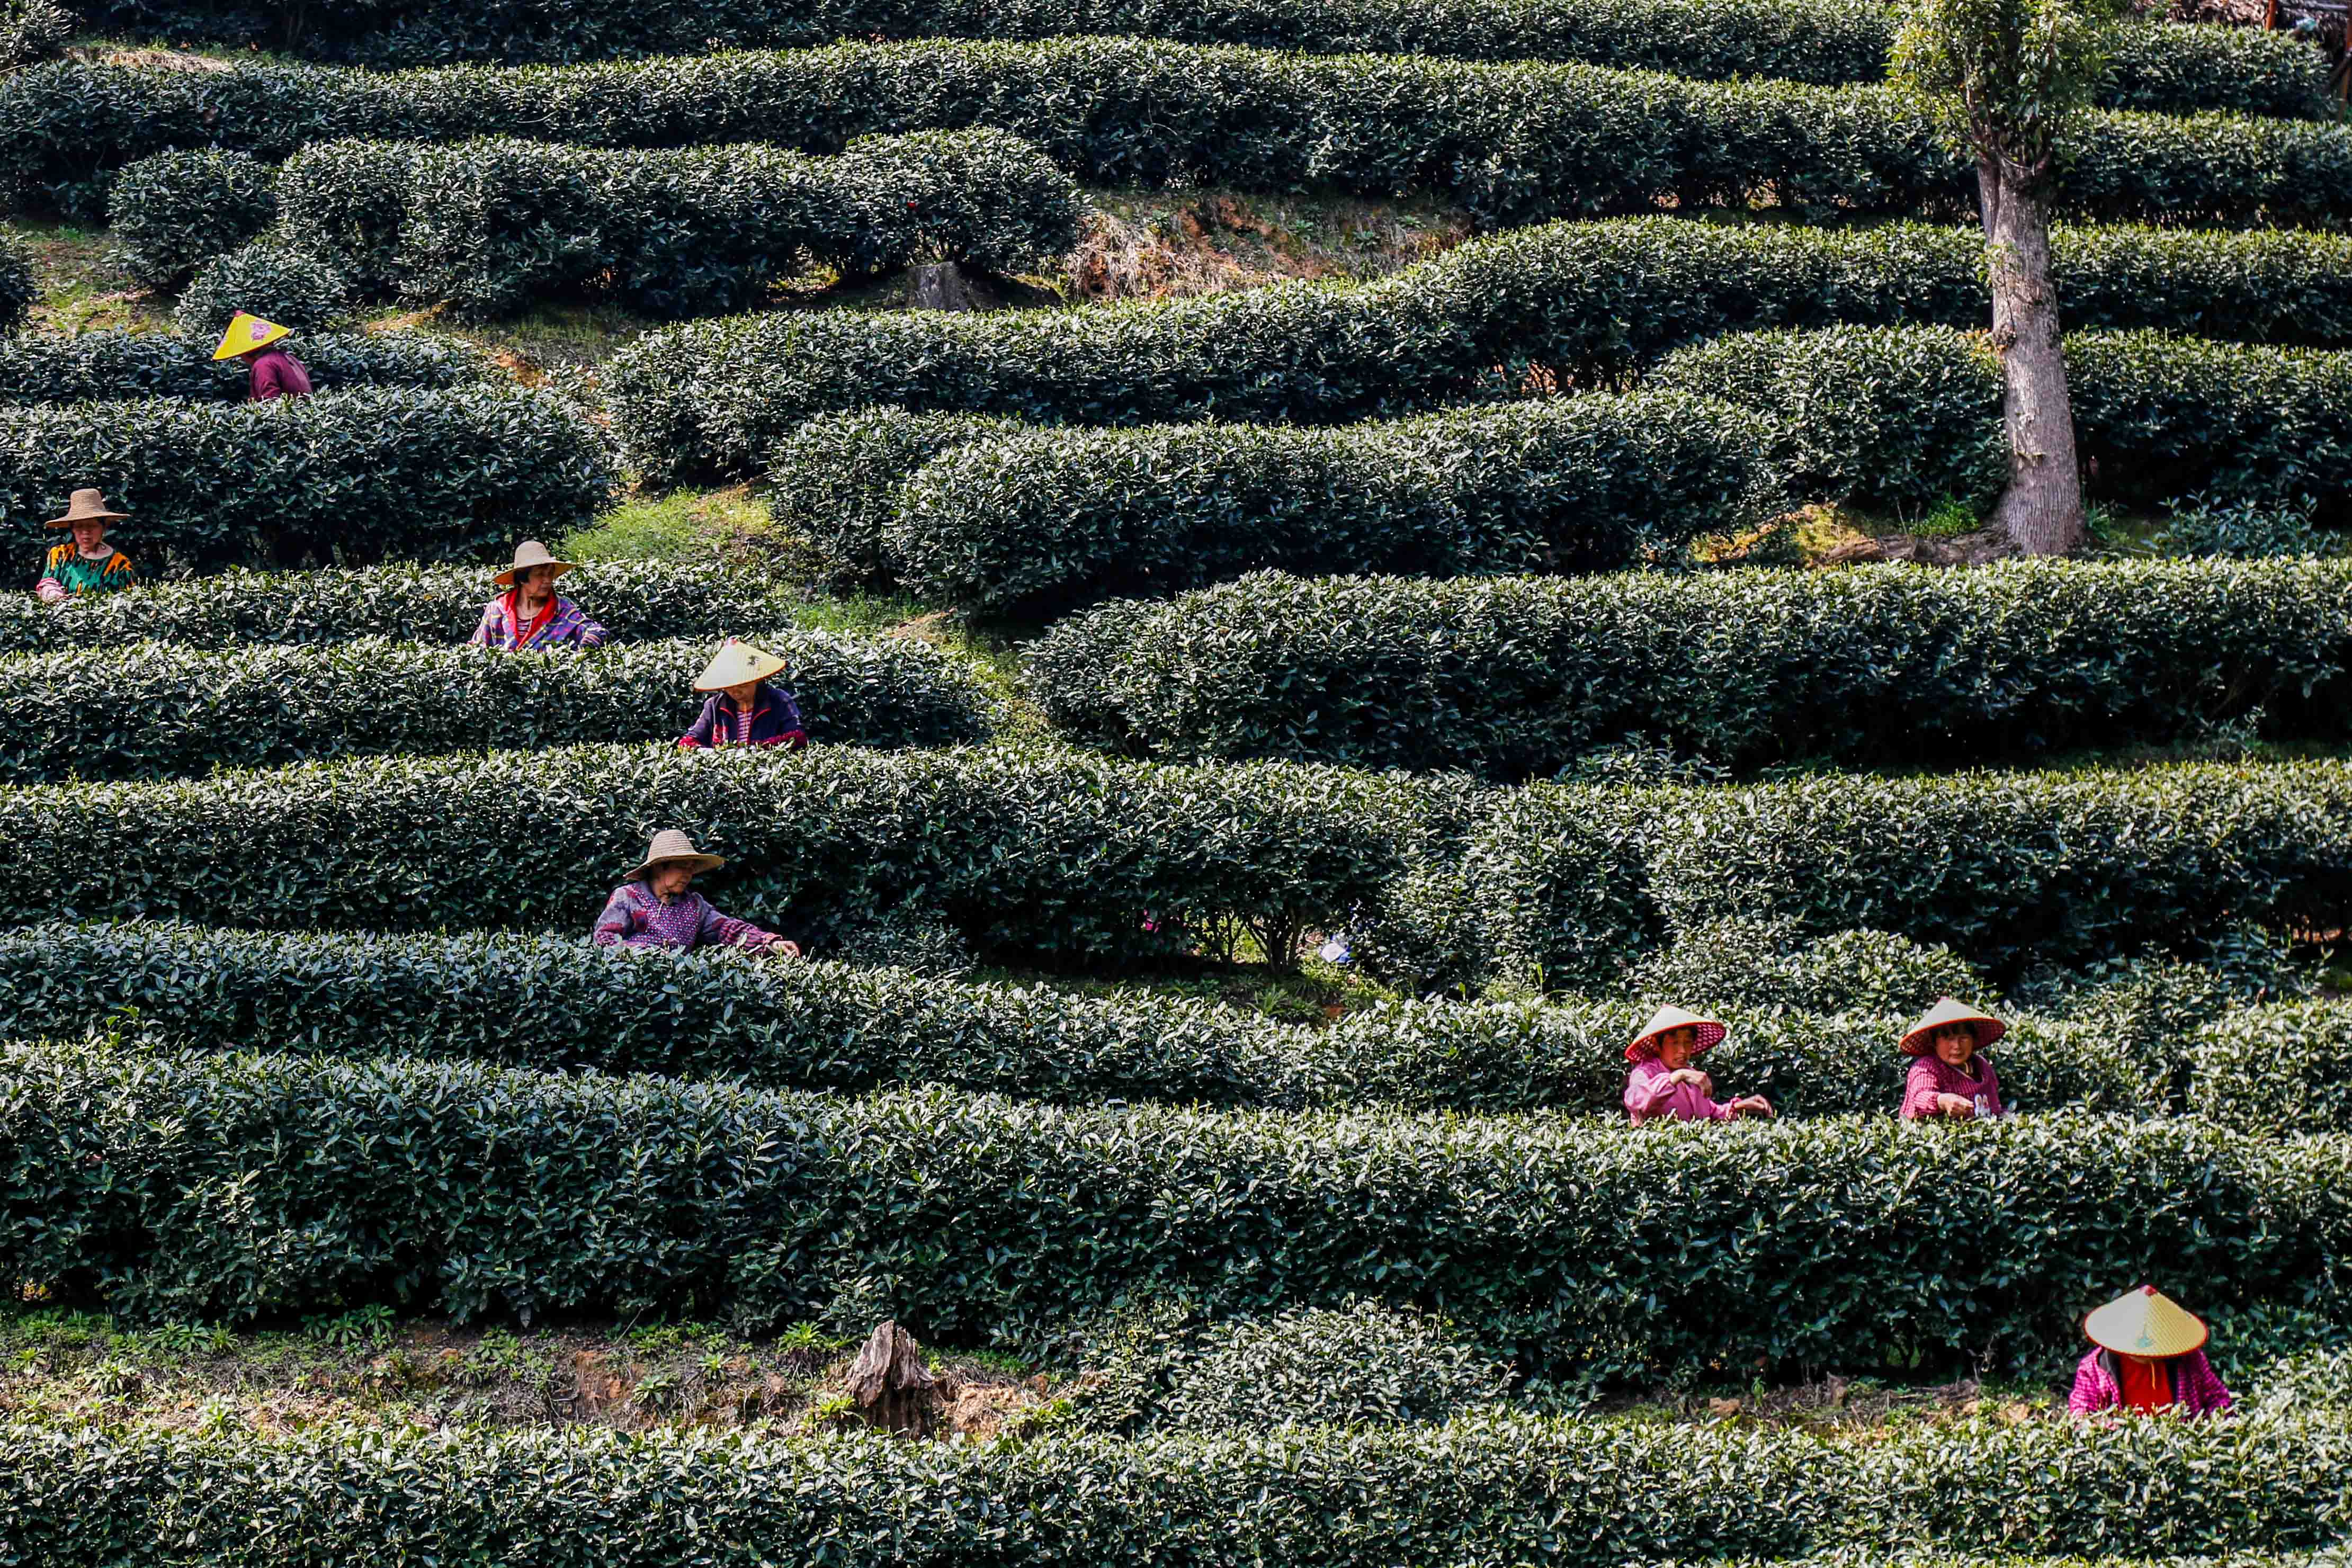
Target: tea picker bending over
<point>276,373</point>
<point>531,617</point>
<point>1664,1083</point>
<point>85,563</point>
<point>657,906</point>
<point>748,709</point>
<point>1952,1076</point>
<point>2147,1356</point>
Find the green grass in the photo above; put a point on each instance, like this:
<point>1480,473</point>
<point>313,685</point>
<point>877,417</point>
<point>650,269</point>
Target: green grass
<point>683,524</point>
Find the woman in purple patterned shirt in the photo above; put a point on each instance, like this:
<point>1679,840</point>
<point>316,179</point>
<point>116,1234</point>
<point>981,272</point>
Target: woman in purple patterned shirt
<point>657,906</point>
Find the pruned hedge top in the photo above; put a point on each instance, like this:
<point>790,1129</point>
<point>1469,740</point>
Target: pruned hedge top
<point>160,1185</point>
<point>1572,1493</point>
<point>92,366</point>
<point>1076,859</point>
<point>1513,144</point>
<point>1033,523</point>
<point>2164,66</point>
<point>634,600</point>
<point>146,710</point>
<point>1568,304</point>
<point>1897,418</point>
<point>364,473</point>
<point>557,1002</point>
<point>1895,666</point>
<point>491,224</point>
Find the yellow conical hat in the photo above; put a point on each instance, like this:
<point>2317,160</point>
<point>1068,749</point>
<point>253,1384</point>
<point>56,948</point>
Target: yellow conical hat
<point>735,664</point>
<point>2146,1323</point>
<point>247,333</point>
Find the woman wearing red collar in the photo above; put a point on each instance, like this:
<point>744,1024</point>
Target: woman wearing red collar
<point>745,709</point>
<point>529,618</point>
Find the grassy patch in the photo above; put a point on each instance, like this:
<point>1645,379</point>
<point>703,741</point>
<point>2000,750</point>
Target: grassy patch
<point>683,525</point>
<point>84,285</point>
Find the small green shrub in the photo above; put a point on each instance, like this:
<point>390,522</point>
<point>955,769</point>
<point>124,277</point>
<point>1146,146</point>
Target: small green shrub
<point>20,288</point>
<point>92,366</point>
<point>1361,1364</point>
<point>1522,677</point>
<point>175,211</point>
<point>2250,528</point>
<point>265,279</point>
<point>834,480</point>
<point>244,707</point>
<point>362,474</point>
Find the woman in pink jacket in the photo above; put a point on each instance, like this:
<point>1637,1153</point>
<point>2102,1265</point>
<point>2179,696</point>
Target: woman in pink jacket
<point>2147,1357</point>
<point>1664,1083</point>
<point>1952,1076</point>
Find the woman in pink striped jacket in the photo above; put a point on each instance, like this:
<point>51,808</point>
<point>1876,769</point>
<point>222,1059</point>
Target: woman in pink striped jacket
<point>1664,1084</point>
<point>2147,1357</point>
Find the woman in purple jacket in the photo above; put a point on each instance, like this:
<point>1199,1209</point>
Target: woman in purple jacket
<point>746,709</point>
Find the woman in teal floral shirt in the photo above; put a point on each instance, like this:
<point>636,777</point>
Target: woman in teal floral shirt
<point>86,564</point>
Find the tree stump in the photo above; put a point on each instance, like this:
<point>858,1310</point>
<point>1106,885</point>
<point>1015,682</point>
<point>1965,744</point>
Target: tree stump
<point>892,1391</point>
<point>945,285</point>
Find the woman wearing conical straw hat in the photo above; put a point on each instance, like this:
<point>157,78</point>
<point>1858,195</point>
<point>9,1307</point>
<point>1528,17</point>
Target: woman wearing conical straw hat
<point>657,906</point>
<point>1952,1076</point>
<point>746,708</point>
<point>85,563</point>
<point>2147,1356</point>
<point>530,617</point>
<point>276,373</point>
<point>1664,1084</point>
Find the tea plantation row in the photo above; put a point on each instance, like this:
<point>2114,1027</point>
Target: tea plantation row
<point>373,471</point>
<point>634,600</point>
<point>2169,69</point>
<point>222,1187</point>
<point>150,710</point>
<point>1513,143</point>
<point>554,1002</point>
<point>1899,666</point>
<point>491,225</point>
<point>1561,305</point>
<point>1076,859</point>
<point>45,367</point>
<point>1566,1494</point>
<point>979,513</point>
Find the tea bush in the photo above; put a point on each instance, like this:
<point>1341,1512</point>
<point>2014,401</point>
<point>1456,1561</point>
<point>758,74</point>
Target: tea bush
<point>1062,855</point>
<point>91,366</point>
<point>1039,522</point>
<point>1565,305</point>
<point>20,289</point>
<point>556,1002</point>
<point>834,481</point>
<point>1081,858</point>
<point>175,211</point>
<point>1485,1489</point>
<point>365,473</point>
<point>1513,144</point>
<point>634,600</point>
<point>1362,1365</point>
<point>1894,418</point>
<point>148,710</point>
<point>2174,68</point>
<point>1566,885</point>
<point>157,1184</point>
<point>491,225</point>
<point>269,280</point>
<point>1877,666</point>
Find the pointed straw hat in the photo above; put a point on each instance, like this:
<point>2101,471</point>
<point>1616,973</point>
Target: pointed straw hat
<point>1919,1039</point>
<point>1645,1045</point>
<point>247,333</point>
<point>88,506</point>
<point>671,847</point>
<point>529,554</point>
<point>2146,1323</point>
<point>736,664</point>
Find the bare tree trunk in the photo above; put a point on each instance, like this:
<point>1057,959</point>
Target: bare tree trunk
<point>2042,510</point>
<point>890,1384</point>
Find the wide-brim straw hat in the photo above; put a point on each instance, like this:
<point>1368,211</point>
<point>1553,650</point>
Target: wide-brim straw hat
<point>1710,1032</point>
<point>247,333</point>
<point>2146,1323</point>
<point>1919,1038</point>
<point>529,554</point>
<point>671,847</point>
<point>88,506</point>
<point>736,664</point>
